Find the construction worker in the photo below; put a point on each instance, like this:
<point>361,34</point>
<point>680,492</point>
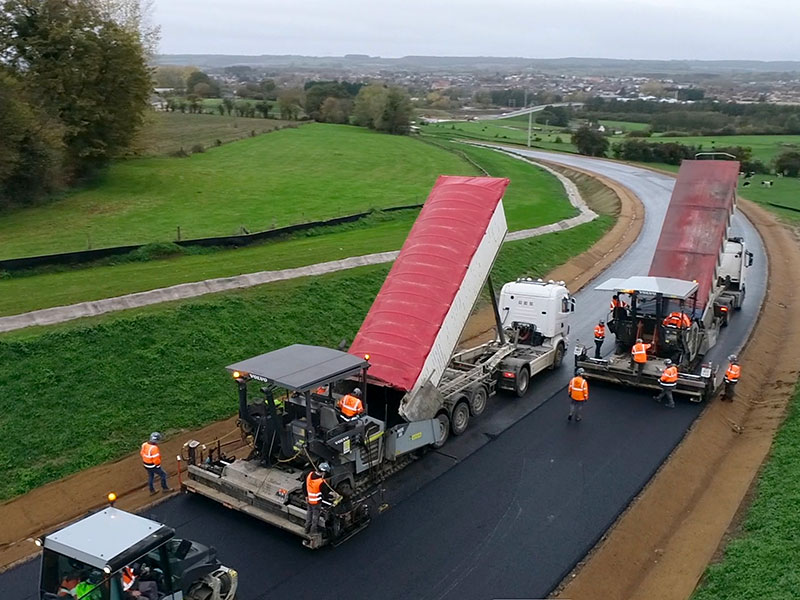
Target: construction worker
<point>69,582</point>
<point>89,587</point>
<point>151,457</point>
<point>578,392</point>
<point>639,357</point>
<point>668,381</point>
<point>599,337</point>
<point>351,406</point>
<point>315,482</point>
<point>731,377</point>
<point>678,319</point>
<point>617,303</point>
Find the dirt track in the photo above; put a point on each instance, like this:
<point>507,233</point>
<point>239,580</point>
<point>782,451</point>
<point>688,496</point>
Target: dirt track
<point>660,547</point>
<point>53,504</point>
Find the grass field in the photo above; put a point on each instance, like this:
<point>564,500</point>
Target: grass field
<point>107,382</point>
<point>533,198</point>
<point>501,132</point>
<point>762,561</point>
<point>167,132</point>
<point>294,175</point>
<point>765,147</point>
<point>624,125</point>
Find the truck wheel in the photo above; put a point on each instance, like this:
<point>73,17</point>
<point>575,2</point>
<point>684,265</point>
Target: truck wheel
<point>523,380</point>
<point>478,402</point>
<point>558,358</point>
<point>444,429</point>
<point>459,420</point>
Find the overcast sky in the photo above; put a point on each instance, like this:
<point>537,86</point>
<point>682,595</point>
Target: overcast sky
<point>660,29</point>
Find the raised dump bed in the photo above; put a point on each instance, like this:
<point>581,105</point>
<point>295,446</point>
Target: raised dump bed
<point>414,324</point>
<point>696,224</point>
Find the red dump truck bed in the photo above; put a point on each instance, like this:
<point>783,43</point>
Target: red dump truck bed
<point>415,322</point>
<point>696,224</point>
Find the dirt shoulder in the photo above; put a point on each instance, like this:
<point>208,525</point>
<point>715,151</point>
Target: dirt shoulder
<point>57,503</point>
<point>660,547</point>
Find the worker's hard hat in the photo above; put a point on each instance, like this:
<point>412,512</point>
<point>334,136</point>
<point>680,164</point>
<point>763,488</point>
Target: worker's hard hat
<point>155,437</point>
<point>580,371</point>
<point>602,322</point>
<point>668,362</point>
<point>357,392</point>
<point>733,358</point>
<point>324,467</point>
<point>638,340</point>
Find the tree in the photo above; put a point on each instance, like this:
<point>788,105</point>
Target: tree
<point>263,108</point>
<point>396,116</point>
<point>788,163</point>
<point>81,68</point>
<point>290,102</point>
<point>336,110</point>
<point>228,104</point>
<point>590,141</point>
<point>30,147</point>
<point>203,90</point>
<point>369,104</point>
<point>135,16</point>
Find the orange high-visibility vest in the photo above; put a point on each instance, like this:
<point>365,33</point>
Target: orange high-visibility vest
<point>600,332</point>
<point>314,488</point>
<point>678,319</point>
<point>578,389</point>
<point>617,304</point>
<point>351,406</point>
<point>732,374</point>
<point>669,378</point>
<point>127,578</point>
<point>151,456</point>
<point>639,352</point>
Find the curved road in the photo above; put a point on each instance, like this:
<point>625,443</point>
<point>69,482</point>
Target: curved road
<point>509,521</point>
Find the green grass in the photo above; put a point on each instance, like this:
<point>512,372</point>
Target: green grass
<point>534,198</point>
<point>765,147</point>
<point>624,125</point>
<point>294,175</point>
<point>762,561</point>
<point>501,132</point>
<point>82,393</point>
<point>167,132</point>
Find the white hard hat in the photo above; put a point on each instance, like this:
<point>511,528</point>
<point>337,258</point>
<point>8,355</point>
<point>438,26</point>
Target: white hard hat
<point>638,340</point>
<point>357,392</point>
<point>155,437</point>
<point>733,358</point>
<point>668,362</point>
<point>324,467</point>
<point>580,371</point>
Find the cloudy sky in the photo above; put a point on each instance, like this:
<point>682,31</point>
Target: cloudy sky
<point>657,29</point>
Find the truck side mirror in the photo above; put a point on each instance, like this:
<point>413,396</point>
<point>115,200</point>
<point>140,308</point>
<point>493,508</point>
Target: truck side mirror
<point>749,259</point>
<point>572,305</point>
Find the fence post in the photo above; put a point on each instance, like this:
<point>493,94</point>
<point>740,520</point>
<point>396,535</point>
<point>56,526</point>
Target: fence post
<point>179,233</point>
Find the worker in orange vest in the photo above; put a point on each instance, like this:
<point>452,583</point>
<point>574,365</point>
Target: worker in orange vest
<point>316,480</point>
<point>151,457</point>
<point>678,319</point>
<point>731,377</point>
<point>578,392</point>
<point>351,406</point>
<point>599,337</point>
<point>617,303</point>
<point>639,357</point>
<point>668,381</point>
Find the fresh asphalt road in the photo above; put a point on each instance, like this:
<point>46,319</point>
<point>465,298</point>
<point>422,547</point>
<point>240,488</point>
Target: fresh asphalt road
<point>508,521</point>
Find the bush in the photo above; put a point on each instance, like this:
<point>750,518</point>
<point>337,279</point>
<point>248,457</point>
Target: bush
<point>558,140</point>
<point>639,133</point>
<point>788,163</point>
<point>156,251</point>
<point>198,149</point>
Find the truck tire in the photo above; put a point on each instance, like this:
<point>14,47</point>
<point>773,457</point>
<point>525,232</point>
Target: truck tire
<point>523,382</point>
<point>444,429</point>
<point>480,397</point>
<point>459,418</point>
<point>558,357</point>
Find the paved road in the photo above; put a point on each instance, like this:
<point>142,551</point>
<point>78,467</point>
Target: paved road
<point>508,521</point>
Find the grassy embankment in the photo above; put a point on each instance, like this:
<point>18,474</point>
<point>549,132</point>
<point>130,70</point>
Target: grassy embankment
<point>289,176</point>
<point>533,198</point>
<point>501,131</point>
<point>109,381</point>
<point>761,562</point>
<point>167,132</point>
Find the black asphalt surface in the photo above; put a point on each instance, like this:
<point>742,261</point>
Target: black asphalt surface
<point>507,509</point>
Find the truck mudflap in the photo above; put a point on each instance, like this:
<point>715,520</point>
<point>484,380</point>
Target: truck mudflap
<point>695,387</point>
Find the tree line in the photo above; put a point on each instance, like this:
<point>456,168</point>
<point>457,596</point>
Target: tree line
<point>74,86</point>
<point>706,117</point>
